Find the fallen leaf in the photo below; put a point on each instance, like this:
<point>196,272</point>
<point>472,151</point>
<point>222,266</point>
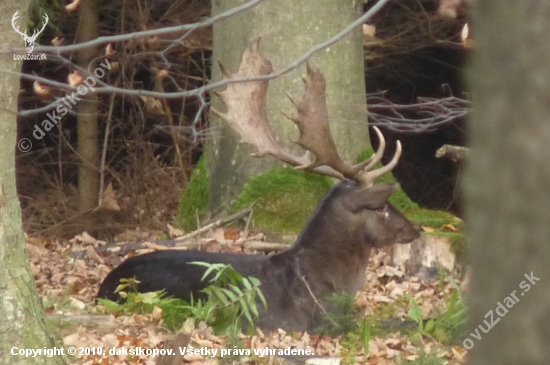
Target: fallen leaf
<point>450,227</point>
<point>216,234</point>
<point>108,199</point>
<point>382,299</point>
<point>157,313</point>
<point>231,234</point>
<point>174,232</point>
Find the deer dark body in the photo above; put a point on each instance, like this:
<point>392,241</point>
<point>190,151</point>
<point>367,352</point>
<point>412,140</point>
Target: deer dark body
<point>330,255</point>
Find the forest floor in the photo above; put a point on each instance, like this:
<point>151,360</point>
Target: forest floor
<point>68,287</point>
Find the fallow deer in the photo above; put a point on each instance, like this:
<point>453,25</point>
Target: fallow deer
<point>331,253</point>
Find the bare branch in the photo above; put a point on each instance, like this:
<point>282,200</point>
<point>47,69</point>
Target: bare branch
<point>187,28</point>
<point>424,116</point>
<point>107,89</point>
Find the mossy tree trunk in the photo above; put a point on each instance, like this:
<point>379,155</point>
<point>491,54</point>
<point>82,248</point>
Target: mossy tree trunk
<point>22,316</point>
<point>508,183</point>
<point>288,28</point>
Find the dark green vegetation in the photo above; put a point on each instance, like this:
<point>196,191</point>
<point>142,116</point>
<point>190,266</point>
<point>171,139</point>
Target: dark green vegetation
<point>195,197</point>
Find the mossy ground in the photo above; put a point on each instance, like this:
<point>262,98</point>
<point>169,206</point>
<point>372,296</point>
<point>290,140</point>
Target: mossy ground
<point>283,198</point>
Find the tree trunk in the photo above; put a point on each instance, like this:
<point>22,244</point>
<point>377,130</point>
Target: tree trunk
<point>288,28</point>
<point>88,142</point>
<point>22,323</point>
<point>508,183</point>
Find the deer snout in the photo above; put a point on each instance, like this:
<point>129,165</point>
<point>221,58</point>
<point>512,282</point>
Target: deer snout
<point>410,234</point>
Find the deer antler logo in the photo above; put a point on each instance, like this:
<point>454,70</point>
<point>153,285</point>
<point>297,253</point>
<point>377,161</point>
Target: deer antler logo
<point>29,40</point>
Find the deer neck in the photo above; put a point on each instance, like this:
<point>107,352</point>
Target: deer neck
<point>335,260</point>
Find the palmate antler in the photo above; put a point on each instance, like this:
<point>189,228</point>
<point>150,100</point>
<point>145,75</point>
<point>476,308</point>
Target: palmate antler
<point>246,114</point>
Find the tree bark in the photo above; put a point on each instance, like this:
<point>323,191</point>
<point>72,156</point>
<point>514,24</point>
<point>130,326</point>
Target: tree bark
<point>22,323</point>
<point>508,183</point>
<point>88,142</point>
<point>288,28</point>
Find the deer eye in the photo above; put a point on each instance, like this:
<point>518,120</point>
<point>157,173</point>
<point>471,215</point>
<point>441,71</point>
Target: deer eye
<point>384,211</point>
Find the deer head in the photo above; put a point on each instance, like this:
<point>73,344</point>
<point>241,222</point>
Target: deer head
<point>29,40</point>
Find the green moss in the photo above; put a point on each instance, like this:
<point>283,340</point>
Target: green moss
<point>195,197</point>
<point>434,218</point>
<point>283,198</point>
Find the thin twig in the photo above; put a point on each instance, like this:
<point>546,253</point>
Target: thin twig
<point>248,220</point>
<point>303,278</point>
<point>104,150</point>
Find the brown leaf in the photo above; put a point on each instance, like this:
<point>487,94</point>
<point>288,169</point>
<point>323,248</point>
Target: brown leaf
<point>175,232</point>
<point>153,105</point>
<point>108,199</point>
<point>231,234</point>
<point>84,237</point>
<point>459,350</point>
<point>92,254</point>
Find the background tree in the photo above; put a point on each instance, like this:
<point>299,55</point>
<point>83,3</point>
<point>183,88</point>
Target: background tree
<point>288,29</point>
<point>22,321</point>
<point>88,128</point>
<point>508,185</point>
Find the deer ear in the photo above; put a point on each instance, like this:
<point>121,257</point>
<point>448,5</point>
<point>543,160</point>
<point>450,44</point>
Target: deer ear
<point>373,197</point>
